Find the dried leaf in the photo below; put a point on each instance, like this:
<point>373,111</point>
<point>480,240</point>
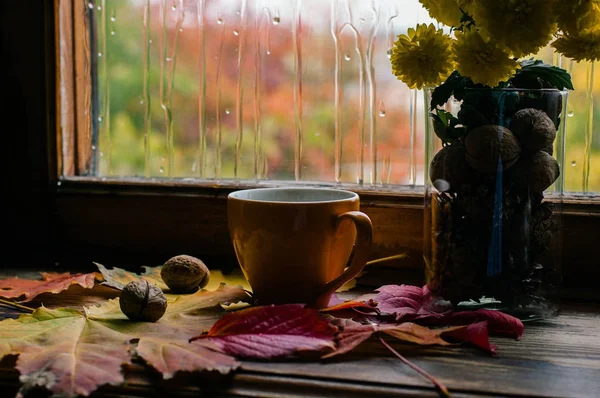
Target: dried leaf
<point>408,303</point>
<point>334,300</point>
<point>415,304</point>
<point>335,306</point>
<point>351,334</point>
<point>72,353</point>
<point>497,321</point>
<point>272,331</point>
<point>62,350</point>
<point>27,289</point>
<point>172,356</point>
<point>475,333</point>
<point>118,278</point>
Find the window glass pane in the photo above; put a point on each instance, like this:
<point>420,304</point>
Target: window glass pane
<point>266,89</point>
<point>273,90</point>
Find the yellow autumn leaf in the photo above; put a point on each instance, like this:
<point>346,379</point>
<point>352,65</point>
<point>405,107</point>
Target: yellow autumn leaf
<point>71,352</point>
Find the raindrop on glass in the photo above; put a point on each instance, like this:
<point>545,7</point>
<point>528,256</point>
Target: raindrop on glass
<point>573,163</point>
<point>237,13</point>
<point>142,102</point>
<point>389,53</point>
<point>381,109</point>
<point>220,21</point>
<point>59,183</point>
<point>227,111</point>
<point>112,33</point>
<point>276,20</point>
<point>181,29</point>
<point>168,59</point>
<point>570,113</point>
<point>93,147</point>
<point>100,119</point>
<point>113,19</point>
<point>99,8</point>
<point>347,57</point>
<point>91,6</point>
<point>317,134</point>
<point>173,7</point>
<point>99,55</point>
<point>161,170</point>
<point>268,52</point>
<point>150,41</point>
<point>236,33</point>
<point>361,20</point>
<point>101,154</point>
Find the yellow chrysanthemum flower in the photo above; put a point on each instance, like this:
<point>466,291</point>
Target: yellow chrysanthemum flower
<point>582,46</point>
<point>576,15</point>
<point>482,60</point>
<point>522,26</point>
<point>422,57</point>
<point>444,11</point>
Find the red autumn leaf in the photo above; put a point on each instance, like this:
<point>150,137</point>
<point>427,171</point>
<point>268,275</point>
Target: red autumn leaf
<point>475,333</point>
<point>408,303</point>
<point>351,334</point>
<point>270,332</point>
<point>415,304</point>
<point>28,289</point>
<point>498,322</point>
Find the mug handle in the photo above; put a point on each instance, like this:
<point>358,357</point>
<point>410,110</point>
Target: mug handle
<point>364,238</point>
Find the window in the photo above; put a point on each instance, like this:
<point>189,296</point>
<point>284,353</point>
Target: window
<point>251,90</point>
<point>96,216</point>
<point>267,90</point>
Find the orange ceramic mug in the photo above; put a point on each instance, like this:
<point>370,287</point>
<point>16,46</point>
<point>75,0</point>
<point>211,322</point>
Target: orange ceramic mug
<point>293,244</point>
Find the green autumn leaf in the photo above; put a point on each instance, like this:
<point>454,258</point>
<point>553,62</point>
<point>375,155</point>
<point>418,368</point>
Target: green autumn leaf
<point>72,353</point>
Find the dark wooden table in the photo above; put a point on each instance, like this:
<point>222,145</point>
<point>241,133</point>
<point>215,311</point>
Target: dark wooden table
<point>559,357</point>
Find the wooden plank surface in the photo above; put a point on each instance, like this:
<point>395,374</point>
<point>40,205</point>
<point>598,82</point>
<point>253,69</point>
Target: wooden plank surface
<point>556,358</point>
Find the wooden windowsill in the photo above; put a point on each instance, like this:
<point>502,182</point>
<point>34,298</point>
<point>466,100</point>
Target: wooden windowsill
<point>559,357</point>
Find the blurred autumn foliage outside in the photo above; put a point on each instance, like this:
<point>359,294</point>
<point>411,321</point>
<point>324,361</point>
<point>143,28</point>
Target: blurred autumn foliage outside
<point>152,83</point>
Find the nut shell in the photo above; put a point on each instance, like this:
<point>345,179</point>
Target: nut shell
<point>142,301</point>
<point>536,172</point>
<point>184,274</point>
<point>449,165</point>
<point>487,144</point>
<point>535,130</point>
<point>543,172</point>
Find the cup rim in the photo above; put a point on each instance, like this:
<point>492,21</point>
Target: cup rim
<point>351,195</point>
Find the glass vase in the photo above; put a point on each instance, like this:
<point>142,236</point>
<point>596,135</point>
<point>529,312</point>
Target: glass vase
<point>493,196</point>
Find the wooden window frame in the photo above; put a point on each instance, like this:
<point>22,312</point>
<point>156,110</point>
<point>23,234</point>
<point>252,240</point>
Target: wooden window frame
<point>130,223</point>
